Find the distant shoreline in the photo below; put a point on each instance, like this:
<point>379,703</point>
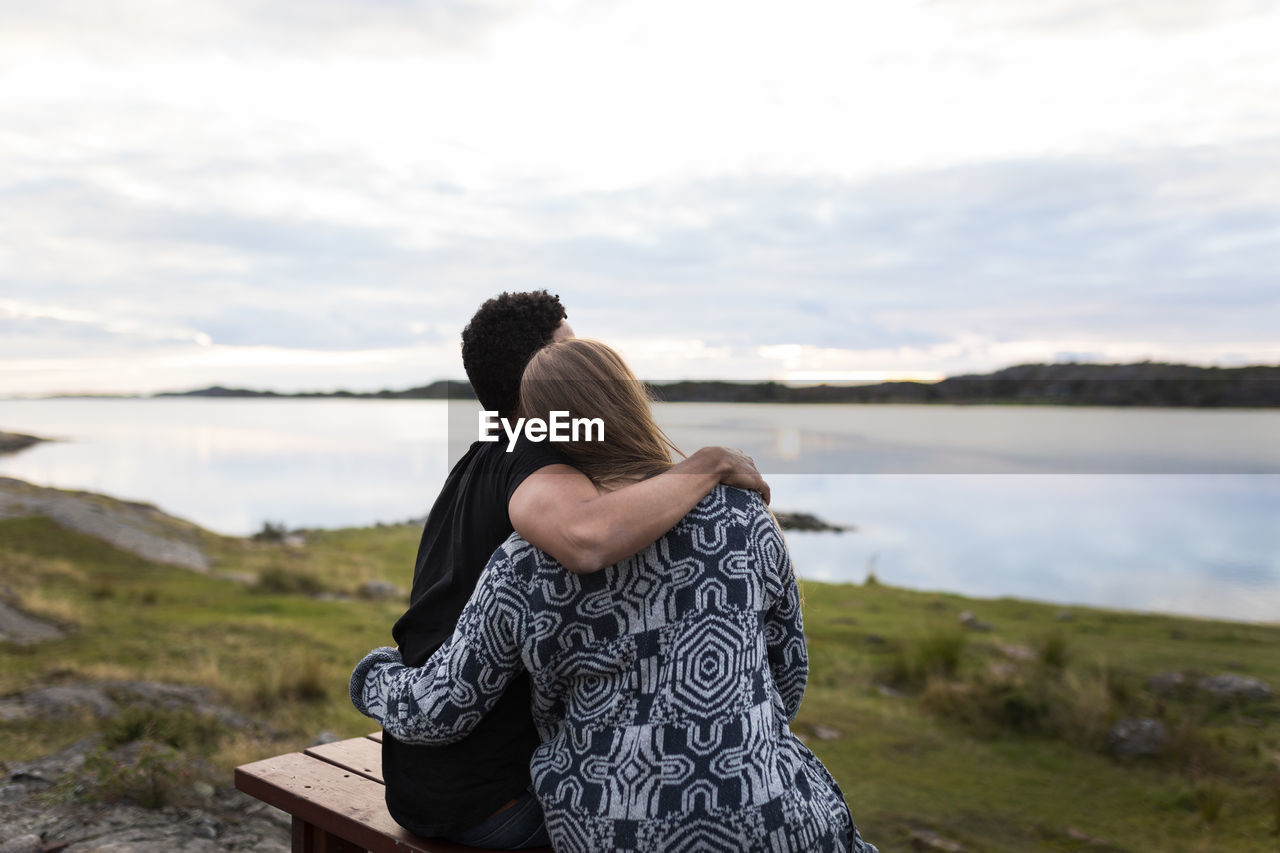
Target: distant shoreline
<point>1142,384</point>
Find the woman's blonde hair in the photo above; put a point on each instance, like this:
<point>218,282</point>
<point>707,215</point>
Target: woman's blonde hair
<point>588,379</point>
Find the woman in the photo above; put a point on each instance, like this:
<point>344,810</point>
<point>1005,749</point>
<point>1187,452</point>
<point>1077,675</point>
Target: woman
<point>663,685</point>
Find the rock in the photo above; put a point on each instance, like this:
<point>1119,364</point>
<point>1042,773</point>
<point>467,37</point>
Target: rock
<point>226,820</point>
<point>826,732</point>
<point>1064,616</point>
<point>808,523</point>
<point>971,621</point>
<point>205,827</point>
<point>1167,683</point>
<point>12,442</point>
<point>67,701</point>
<point>137,528</point>
<point>1014,651</point>
<point>325,737</point>
<point>44,772</point>
<point>1134,737</point>
<point>1228,686</point>
<point>927,839</point>
<point>875,640</point>
<point>106,699</point>
<point>886,690</point>
<point>1080,835</point>
<point>23,629</point>
<point>12,710</point>
<point>176,697</point>
<point>1003,671</point>
<point>376,590</point>
<point>28,843</point>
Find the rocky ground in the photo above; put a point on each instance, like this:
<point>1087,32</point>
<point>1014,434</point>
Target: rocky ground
<point>44,811</point>
<point>23,628</point>
<point>139,796</point>
<point>134,527</point>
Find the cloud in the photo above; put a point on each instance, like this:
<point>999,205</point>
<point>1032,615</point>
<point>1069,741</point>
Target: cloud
<point>59,323</point>
<point>1136,255</point>
<point>573,99</point>
<point>1061,16</point>
<point>1171,245</point>
<point>114,28</point>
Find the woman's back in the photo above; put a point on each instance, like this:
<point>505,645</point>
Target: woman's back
<point>663,687</point>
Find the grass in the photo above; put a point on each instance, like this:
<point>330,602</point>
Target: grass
<point>995,739</point>
<point>1009,755</point>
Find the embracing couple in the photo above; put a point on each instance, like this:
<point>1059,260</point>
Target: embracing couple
<point>603,648</point>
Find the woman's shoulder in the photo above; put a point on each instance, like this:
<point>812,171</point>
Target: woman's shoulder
<point>728,502</point>
<point>516,556</point>
<point>725,507</point>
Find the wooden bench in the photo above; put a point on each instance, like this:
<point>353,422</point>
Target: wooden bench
<point>335,793</point>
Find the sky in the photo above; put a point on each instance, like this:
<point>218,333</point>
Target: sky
<point>314,195</point>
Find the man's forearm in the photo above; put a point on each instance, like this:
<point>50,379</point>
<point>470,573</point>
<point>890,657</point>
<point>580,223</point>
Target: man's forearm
<point>561,512</point>
<point>623,522</point>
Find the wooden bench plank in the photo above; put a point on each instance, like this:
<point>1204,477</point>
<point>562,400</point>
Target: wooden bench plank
<point>359,755</point>
<point>336,801</point>
<point>335,793</point>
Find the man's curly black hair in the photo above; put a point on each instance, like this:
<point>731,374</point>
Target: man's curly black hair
<point>501,338</point>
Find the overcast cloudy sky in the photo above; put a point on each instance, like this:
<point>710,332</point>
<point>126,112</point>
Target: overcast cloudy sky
<point>304,195</point>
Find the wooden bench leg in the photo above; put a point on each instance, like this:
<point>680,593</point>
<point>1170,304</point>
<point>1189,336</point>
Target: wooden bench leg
<point>308,838</point>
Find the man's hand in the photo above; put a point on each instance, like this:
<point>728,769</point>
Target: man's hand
<point>738,469</point>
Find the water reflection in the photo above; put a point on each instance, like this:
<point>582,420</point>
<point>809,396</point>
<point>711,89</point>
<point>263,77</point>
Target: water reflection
<point>230,465</point>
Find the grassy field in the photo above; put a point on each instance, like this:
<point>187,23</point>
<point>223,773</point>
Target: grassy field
<point>994,739</point>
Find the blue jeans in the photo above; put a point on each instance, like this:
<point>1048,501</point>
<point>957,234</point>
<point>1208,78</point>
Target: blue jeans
<point>515,828</point>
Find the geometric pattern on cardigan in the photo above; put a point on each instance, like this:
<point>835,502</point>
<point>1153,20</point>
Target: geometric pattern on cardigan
<point>663,687</point>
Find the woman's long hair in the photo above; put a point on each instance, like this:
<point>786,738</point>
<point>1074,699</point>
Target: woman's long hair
<point>588,379</point>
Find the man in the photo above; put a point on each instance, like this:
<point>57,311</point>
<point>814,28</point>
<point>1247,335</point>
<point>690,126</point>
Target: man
<point>475,791</point>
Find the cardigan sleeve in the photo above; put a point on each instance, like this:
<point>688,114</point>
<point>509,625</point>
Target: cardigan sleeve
<point>783,625</point>
<point>443,700</point>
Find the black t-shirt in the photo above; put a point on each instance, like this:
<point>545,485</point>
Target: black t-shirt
<point>445,788</point>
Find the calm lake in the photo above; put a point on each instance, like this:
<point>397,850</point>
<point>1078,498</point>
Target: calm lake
<point>1147,509</point>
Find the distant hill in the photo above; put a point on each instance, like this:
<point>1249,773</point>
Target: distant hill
<point>443,389</point>
<point>1141,384</point>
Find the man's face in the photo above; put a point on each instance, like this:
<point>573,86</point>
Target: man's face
<point>563,332</point>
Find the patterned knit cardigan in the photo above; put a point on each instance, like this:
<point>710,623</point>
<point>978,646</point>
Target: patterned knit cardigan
<point>662,690</point>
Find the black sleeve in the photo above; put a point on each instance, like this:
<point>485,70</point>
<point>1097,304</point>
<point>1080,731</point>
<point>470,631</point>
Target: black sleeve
<point>525,458</point>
